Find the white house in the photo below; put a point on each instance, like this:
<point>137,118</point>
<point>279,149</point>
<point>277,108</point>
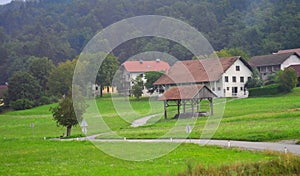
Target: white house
<point>269,64</point>
<point>226,77</point>
<point>132,69</point>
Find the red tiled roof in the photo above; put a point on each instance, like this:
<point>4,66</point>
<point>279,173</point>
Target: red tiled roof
<point>296,68</point>
<point>296,50</point>
<point>3,88</point>
<point>146,66</point>
<point>198,71</point>
<point>271,59</point>
<point>186,93</point>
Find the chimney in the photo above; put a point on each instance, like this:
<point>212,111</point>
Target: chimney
<point>157,60</point>
<point>141,61</point>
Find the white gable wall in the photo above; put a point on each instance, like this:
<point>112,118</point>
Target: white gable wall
<point>292,60</point>
<point>236,88</point>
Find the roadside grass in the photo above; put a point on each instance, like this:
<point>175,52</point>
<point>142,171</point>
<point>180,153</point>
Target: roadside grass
<point>282,165</point>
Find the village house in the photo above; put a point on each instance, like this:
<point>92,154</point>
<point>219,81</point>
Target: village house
<point>132,69</point>
<point>269,64</point>
<point>226,77</point>
<point>296,50</point>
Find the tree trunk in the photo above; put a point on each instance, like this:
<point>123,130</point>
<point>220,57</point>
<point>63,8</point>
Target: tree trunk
<point>107,89</point>
<point>101,91</point>
<point>69,128</point>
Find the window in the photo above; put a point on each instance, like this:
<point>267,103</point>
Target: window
<point>213,89</point>
<point>233,79</point>
<point>219,88</point>
<point>237,68</point>
<point>241,79</point>
<point>226,78</point>
<point>242,88</point>
<point>228,88</point>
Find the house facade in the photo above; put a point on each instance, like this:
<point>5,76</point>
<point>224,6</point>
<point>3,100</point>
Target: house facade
<point>226,77</point>
<point>269,64</point>
<point>132,69</point>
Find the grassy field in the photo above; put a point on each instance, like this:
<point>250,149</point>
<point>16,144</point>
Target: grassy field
<point>251,119</point>
<point>25,152</point>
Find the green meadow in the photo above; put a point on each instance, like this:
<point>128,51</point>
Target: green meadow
<point>24,151</point>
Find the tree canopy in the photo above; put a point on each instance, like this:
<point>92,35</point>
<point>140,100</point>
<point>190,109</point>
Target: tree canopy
<point>59,29</point>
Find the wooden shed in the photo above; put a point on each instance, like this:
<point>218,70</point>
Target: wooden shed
<point>183,95</point>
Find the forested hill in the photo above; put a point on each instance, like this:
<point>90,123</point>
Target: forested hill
<point>59,29</point>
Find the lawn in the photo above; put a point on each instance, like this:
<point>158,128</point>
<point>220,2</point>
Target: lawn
<point>25,152</point>
<point>252,119</point>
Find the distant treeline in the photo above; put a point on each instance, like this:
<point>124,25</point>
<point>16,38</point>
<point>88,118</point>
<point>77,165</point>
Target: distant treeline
<point>59,29</point>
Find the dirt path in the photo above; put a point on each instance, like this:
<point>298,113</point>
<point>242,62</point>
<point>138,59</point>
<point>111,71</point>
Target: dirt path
<point>142,121</point>
<point>273,146</point>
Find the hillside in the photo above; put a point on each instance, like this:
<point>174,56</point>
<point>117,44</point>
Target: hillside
<point>59,29</point>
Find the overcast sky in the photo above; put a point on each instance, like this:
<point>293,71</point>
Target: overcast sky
<point>4,2</point>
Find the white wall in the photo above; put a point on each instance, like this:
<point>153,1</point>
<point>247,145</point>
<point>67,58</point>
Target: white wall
<point>292,60</point>
<point>244,72</point>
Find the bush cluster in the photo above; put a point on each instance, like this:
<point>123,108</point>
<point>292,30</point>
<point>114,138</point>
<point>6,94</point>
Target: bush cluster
<point>272,89</point>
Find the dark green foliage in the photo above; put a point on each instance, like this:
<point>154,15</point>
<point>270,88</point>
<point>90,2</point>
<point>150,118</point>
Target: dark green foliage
<point>21,104</point>
<point>60,78</point>
<point>151,77</point>
<point>59,30</point>
<point>255,81</point>
<point>137,88</point>
<point>40,69</point>
<point>268,90</point>
<point>107,71</point>
<point>45,100</point>
<point>287,79</point>
<point>23,86</point>
<point>65,114</point>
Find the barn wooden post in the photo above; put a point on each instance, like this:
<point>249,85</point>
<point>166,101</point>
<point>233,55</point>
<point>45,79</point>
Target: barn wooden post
<point>178,107</point>
<point>165,109</point>
<point>184,104</point>
<point>198,108</point>
<point>211,106</point>
<point>192,102</point>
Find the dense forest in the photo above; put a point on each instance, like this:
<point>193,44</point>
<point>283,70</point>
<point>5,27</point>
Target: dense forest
<point>59,29</point>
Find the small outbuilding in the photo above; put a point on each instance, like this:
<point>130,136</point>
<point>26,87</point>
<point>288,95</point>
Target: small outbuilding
<point>191,94</point>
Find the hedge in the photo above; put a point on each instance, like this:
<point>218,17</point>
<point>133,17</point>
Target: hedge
<point>268,90</point>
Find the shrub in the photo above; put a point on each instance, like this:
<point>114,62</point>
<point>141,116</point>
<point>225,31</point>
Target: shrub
<point>44,100</point>
<point>22,104</point>
<point>272,89</point>
<point>287,79</point>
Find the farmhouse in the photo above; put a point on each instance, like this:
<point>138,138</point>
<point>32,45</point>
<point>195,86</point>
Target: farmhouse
<point>226,77</point>
<point>269,64</point>
<point>296,50</point>
<point>132,69</point>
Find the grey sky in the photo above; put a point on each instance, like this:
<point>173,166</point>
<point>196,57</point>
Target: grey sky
<point>4,2</point>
